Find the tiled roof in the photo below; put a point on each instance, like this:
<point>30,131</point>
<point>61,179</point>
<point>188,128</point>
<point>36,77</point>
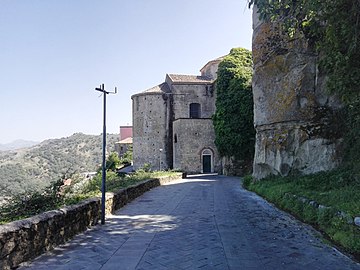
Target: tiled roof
<point>126,141</point>
<point>219,59</point>
<point>161,88</point>
<point>176,78</point>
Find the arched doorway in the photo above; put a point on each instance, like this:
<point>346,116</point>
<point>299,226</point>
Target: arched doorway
<point>207,161</point>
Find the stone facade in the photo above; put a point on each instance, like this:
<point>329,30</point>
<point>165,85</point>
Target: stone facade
<point>190,147</point>
<point>177,112</point>
<point>297,123</point>
<point>151,128</point>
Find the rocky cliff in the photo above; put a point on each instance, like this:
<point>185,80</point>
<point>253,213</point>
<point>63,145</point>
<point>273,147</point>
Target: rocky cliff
<point>298,125</point>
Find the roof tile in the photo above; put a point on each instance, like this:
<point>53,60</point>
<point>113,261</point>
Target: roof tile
<point>177,78</point>
<point>161,88</point>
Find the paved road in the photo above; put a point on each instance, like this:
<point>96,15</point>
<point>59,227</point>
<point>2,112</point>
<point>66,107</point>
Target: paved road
<point>203,222</point>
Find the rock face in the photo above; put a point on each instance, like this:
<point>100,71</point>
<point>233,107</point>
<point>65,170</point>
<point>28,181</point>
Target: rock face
<point>298,125</point>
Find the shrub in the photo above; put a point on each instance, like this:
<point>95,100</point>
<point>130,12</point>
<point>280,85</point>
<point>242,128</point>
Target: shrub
<point>112,162</point>
<point>247,180</point>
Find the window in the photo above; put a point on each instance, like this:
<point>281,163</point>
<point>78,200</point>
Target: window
<point>137,103</point>
<point>175,138</point>
<point>209,90</point>
<point>195,110</point>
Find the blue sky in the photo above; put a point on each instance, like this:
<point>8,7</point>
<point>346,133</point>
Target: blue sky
<point>55,52</point>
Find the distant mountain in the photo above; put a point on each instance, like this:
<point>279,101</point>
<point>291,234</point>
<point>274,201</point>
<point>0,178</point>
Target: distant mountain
<point>18,144</point>
<point>34,168</point>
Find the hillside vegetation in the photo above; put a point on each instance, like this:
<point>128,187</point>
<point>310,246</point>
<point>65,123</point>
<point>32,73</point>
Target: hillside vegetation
<point>18,144</point>
<point>32,169</point>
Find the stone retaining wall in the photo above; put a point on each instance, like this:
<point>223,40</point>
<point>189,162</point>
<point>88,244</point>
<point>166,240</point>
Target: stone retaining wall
<point>26,239</point>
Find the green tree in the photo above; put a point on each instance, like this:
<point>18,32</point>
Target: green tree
<point>127,157</point>
<point>233,118</point>
<point>112,162</point>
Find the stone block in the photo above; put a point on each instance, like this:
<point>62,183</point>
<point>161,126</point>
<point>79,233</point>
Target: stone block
<point>357,221</point>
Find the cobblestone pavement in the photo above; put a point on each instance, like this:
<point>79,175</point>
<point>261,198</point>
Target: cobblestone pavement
<point>203,222</point>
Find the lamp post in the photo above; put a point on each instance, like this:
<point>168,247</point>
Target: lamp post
<point>103,187</point>
<point>160,150</point>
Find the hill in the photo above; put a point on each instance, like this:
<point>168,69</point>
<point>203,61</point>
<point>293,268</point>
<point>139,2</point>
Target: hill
<point>18,144</point>
<point>34,168</point>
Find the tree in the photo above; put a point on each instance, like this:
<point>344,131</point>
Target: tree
<point>233,118</point>
<point>112,162</point>
<point>127,157</point>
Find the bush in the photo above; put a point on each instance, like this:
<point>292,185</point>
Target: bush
<point>146,167</point>
<point>127,158</point>
<point>112,162</point>
<point>247,181</point>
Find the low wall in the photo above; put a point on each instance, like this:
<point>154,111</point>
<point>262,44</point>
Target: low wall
<point>26,239</point>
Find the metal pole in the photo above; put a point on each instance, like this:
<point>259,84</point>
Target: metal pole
<point>103,184</point>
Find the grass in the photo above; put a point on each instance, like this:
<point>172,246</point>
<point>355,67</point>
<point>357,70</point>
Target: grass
<point>336,191</point>
<point>57,196</point>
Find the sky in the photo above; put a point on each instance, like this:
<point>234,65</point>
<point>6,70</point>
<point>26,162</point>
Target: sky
<point>54,53</point>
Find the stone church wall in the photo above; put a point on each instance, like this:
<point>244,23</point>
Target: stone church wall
<point>150,121</point>
<point>184,94</point>
<point>156,112</point>
<point>298,128</point>
<point>191,137</point>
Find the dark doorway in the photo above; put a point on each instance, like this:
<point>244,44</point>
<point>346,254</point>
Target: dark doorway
<point>206,163</point>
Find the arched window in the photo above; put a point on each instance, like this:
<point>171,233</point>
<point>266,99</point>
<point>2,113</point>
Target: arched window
<point>206,152</point>
<point>175,138</point>
<point>195,110</point>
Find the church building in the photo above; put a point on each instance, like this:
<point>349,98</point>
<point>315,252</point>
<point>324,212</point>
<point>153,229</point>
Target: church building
<point>172,125</point>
